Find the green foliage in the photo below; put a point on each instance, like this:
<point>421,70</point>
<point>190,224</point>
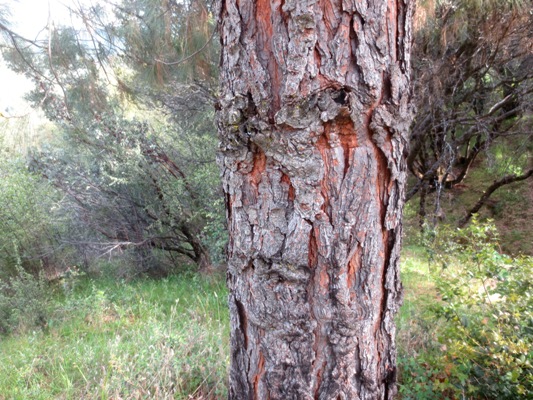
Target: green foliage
<point>509,157</point>
<point>134,151</point>
<point>425,370</point>
<point>431,375</point>
<point>486,305</point>
<point>158,35</point>
<point>214,233</point>
<point>139,187</point>
<point>25,302</point>
<point>156,339</point>
<point>27,221</point>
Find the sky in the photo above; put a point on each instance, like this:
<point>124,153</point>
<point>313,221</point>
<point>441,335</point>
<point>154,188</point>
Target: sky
<point>30,16</point>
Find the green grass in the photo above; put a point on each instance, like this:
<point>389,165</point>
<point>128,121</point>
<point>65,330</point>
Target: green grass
<point>418,329</point>
<point>142,340</point>
<point>415,322</point>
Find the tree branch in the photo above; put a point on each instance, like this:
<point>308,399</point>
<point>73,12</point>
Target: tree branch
<point>506,180</point>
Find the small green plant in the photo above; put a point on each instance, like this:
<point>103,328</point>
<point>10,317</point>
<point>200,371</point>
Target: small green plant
<point>431,375</point>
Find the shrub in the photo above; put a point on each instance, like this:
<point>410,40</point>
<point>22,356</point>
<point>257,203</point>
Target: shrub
<point>24,302</point>
<point>487,301</point>
<point>29,225</point>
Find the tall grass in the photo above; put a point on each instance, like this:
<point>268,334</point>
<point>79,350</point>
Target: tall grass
<point>164,339</point>
<point>148,339</point>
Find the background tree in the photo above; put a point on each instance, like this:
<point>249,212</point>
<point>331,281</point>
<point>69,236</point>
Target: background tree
<point>473,64</point>
<point>313,119</point>
<point>138,174</point>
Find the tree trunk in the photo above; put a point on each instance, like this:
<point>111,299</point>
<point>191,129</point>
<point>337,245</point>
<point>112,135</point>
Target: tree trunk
<point>201,253</point>
<point>313,118</point>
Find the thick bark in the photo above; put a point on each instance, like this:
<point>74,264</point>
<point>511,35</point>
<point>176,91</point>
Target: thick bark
<point>313,119</point>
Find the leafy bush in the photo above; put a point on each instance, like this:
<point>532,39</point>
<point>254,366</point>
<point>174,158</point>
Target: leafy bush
<point>431,375</point>
<point>487,301</point>
<point>24,302</point>
<point>29,225</point>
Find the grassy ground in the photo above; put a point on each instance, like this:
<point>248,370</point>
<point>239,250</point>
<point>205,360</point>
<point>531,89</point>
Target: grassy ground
<point>142,340</point>
<point>418,329</point>
<point>416,323</point>
<point>164,339</point>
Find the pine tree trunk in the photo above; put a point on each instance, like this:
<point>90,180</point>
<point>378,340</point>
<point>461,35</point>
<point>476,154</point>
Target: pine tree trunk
<point>313,119</point>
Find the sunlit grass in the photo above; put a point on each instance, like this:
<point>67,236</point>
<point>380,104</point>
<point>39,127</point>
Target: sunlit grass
<point>415,323</point>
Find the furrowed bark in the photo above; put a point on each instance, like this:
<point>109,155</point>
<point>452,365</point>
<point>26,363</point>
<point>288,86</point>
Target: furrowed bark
<point>313,120</point>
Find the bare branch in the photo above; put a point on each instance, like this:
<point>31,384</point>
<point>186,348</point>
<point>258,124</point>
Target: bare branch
<point>506,180</point>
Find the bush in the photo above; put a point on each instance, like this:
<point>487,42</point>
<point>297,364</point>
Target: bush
<point>29,225</point>
<point>24,302</point>
<point>431,375</point>
<point>487,301</point>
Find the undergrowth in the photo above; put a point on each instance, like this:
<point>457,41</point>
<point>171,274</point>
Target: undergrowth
<point>474,339</point>
<point>147,339</point>
<point>24,302</point>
